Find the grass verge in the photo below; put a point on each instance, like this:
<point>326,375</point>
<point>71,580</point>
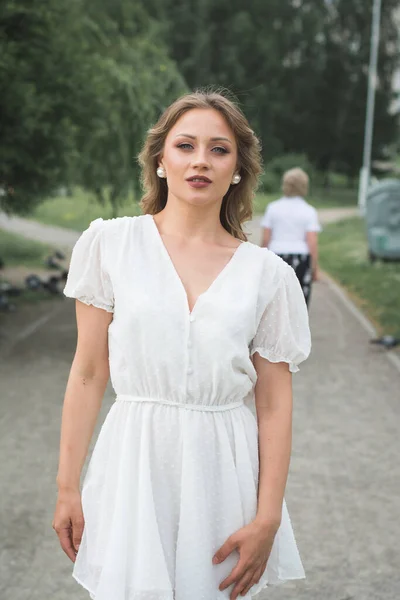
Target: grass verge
<point>374,287</point>
<point>77,211</point>
<point>20,257</point>
<point>15,250</point>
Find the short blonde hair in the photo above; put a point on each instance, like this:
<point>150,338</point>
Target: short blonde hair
<point>295,182</point>
<point>238,201</point>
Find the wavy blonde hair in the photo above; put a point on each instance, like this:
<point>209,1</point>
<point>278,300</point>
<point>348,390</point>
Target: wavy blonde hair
<point>295,182</point>
<point>237,204</point>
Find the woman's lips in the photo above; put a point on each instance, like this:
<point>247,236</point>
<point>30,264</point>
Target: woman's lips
<point>198,183</point>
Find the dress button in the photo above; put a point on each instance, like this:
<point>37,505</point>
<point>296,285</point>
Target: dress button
<point>191,318</point>
<point>190,371</point>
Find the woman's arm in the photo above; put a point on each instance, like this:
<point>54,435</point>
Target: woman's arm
<point>266,237</point>
<point>312,243</point>
<point>85,389</point>
<point>274,415</point>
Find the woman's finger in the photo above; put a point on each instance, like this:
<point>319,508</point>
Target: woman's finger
<point>225,550</point>
<point>64,535</point>
<point>252,582</point>
<point>255,579</point>
<point>242,584</point>
<point>257,575</point>
<point>78,524</point>
<point>235,575</point>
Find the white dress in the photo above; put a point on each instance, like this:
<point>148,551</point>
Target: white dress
<point>175,469</point>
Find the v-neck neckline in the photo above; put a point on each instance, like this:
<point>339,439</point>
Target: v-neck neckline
<point>173,268</point>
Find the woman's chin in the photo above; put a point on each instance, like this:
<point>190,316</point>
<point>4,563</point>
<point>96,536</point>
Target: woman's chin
<point>199,200</point>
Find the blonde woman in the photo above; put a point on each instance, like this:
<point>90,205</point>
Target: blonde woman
<point>290,229</point>
<point>184,495</point>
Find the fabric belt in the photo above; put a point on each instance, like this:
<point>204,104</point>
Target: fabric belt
<point>199,407</point>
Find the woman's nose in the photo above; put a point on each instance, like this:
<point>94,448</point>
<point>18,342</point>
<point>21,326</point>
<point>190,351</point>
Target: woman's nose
<point>200,159</point>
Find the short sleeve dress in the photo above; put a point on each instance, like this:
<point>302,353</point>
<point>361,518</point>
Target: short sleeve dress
<point>175,468</point>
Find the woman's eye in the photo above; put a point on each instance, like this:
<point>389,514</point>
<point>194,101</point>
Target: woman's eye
<point>220,150</point>
<point>216,149</point>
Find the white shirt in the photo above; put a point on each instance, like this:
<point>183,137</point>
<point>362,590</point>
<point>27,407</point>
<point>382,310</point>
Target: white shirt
<point>289,220</point>
<point>175,468</point>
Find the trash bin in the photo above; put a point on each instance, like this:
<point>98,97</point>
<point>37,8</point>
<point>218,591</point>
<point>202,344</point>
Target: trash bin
<point>383,220</point>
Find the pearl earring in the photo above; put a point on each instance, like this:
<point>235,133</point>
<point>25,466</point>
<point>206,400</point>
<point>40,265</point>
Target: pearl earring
<point>161,172</point>
<point>236,178</point>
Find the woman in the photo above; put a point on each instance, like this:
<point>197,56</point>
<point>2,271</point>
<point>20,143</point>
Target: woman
<point>188,317</point>
<point>291,229</point>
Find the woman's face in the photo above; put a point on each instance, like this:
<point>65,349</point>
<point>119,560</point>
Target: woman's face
<point>200,157</point>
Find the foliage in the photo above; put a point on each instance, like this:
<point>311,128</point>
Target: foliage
<point>134,81</point>
<point>269,183</point>
<point>271,179</point>
<point>82,81</point>
<point>78,92</point>
<point>40,82</point>
<point>299,68</point>
<point>375,287</point>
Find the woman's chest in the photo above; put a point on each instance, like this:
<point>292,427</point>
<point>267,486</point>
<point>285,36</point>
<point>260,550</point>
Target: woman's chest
<point>150,295</point>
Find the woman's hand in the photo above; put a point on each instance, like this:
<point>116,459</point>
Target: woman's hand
<point>316,275</point>
<point>254,544</point>
<point>68,521</point>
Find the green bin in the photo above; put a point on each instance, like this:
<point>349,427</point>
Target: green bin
<point>383,220</point>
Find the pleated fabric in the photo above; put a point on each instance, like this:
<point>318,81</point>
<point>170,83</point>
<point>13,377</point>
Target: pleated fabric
<point>165,488</point>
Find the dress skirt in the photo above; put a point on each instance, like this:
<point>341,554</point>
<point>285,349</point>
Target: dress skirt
<point>166,486</point>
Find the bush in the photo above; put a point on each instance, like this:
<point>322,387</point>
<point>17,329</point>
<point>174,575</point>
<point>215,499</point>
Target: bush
<point>272,177</point>
<point>280,164</point>
<point>269,183</point>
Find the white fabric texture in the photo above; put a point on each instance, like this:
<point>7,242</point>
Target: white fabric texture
<point>175,468</point>
<point>290,219</point>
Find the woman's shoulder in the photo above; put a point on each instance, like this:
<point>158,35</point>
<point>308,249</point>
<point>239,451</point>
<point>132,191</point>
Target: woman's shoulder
<point>116,226</point>
<point>308,207</point>
<point>111,236</point>
<point>274,205</point>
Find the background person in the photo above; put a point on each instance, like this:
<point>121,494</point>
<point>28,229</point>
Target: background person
<point>290,229</point>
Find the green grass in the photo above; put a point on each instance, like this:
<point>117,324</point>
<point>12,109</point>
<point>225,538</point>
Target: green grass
<point>374,287</point>
<point>77,211</point>
<point>15,250</point>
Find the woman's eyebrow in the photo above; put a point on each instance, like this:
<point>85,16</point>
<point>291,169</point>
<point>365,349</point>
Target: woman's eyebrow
<point>213,139</point>
<point>221,139</point>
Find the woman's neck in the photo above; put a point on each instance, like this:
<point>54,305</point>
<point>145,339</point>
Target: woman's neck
<point>188,221</point>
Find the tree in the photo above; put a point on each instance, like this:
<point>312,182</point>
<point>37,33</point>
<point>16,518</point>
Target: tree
<point>41,51</point>
<point>339,105</point>
<point>298,67</point>
<point>81,82</point>
<point>135,80</point>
